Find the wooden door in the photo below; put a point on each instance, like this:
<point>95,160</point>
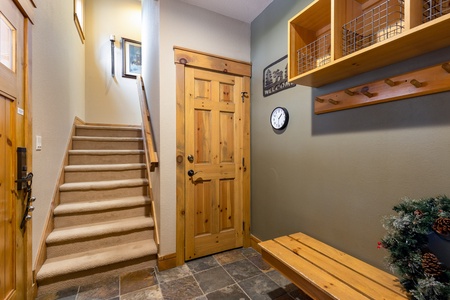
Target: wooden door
<point>15,269</point>
<point>214,206</point>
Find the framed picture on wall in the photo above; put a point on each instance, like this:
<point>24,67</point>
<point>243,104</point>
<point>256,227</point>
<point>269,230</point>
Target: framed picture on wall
<point>131,58</point>
<point>78,12</point>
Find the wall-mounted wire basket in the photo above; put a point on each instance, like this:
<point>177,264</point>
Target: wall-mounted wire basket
<point>315,54</point>
<point>433,9</point>
<point>376,24</point>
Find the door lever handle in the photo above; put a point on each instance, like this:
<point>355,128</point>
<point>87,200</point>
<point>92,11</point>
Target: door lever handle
<point>191,174</point>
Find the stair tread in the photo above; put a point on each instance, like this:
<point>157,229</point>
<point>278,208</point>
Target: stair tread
<point>95,258</point>
<point>103,167</point>
<point>104,152</point>
<point>109,127</point>
<point>102,185</point>
<point>70,234</point>
<point>91,206</point>
<point>106,138</point>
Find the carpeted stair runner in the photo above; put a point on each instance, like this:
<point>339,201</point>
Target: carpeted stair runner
<point>103,224</point>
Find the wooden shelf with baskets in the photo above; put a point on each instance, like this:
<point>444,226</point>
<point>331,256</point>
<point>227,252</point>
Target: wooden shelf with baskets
<point>331,40</point>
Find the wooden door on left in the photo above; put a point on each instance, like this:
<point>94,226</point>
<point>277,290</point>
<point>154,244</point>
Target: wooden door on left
<point>15,246</point>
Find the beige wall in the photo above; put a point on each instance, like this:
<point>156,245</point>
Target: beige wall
<point>334,176</point>
<point>195,28</point>
<point>110,99</point>
<point>57,97</point>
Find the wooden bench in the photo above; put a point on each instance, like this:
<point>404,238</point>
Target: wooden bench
<point>324,272</point>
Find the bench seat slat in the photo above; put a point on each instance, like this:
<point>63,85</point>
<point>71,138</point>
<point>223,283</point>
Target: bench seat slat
<point>317,283</point>
<point>363,283</point>
<point>386,279</point>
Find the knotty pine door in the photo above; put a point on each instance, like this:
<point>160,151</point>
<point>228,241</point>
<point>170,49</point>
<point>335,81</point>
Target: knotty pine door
<point>213,145</point>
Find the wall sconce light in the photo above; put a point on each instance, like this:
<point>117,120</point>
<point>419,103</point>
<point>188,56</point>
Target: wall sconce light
<point>112,38</point>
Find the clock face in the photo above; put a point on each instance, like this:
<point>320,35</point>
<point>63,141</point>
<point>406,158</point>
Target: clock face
<point>279,118</point>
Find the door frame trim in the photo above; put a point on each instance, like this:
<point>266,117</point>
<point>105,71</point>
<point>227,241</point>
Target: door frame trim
<point>186,57</point>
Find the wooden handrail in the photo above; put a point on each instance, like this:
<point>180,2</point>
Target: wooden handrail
<point>151,156</point>
<point>146,125</point>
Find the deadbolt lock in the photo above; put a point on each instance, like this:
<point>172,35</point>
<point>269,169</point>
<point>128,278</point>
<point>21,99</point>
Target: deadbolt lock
<point>190,158</point>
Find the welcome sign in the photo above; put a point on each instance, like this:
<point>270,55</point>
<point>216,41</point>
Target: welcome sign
<point>275,77</point>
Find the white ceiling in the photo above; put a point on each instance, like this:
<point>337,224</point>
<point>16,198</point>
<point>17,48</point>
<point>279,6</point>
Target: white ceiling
<point>243,10</point>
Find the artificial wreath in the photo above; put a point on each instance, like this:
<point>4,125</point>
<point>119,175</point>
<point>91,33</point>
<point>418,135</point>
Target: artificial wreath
<point>421,273</point>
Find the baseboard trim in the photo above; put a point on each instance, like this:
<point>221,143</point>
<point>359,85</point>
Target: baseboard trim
<point>167,261</point>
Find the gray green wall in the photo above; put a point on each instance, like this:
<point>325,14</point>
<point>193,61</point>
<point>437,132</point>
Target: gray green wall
<point>334,176</point>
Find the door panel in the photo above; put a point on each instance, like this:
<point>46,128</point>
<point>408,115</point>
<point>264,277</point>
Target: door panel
<point>7,205</point>
<point>213,133</point>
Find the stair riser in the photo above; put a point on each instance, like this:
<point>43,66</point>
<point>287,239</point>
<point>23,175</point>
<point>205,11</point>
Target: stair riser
<point>90,195</point>
<point>94,275</point>
<point>98,242</point>
<point>103,175</point>
<point>106,159</point>
<point>61,221</point>
<point>108,133</point>
<point>107,145</point>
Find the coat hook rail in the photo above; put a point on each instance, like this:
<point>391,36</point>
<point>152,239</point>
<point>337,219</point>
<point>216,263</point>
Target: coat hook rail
<point>430,80</point>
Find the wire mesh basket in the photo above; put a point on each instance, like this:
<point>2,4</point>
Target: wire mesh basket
<point>433,9</point>
<point>315,54</point>
<point>377,24</point>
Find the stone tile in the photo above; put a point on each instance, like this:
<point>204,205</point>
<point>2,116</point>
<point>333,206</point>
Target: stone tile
<point>262,287</point>
<point>248,252</point>
<point>183,288</point>
<point>232,292</point>
<point>299,295</point>
<point>137,280</point>
<point>67,294</point>
<point>213,279</point>
<point>259,263</point>
<point>153,292</point>
<point>242,270</point>
<point>282,281</point>
<point>202,264</point>
<point>229,256</point>
<point>173,274</point>
<point>101,290</point>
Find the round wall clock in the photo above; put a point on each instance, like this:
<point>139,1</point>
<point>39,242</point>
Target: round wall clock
<point>279,118</point>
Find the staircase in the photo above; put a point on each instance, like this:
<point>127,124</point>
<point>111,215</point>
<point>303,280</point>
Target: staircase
<point>102,224</point>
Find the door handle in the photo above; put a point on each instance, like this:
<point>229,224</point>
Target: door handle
<point>191,174</point>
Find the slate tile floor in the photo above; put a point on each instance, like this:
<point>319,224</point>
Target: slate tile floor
<point>237,274</point>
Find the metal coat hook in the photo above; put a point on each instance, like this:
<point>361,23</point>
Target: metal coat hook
<point>365,92</point>
<point>350,93</point>
<point>334,102</point>
<point>416,83</point>
<point>389,82</point>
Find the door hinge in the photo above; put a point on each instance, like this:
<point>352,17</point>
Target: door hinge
<point>243,226</point>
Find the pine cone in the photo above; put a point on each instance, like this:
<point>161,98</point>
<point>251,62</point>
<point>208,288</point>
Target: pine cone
<point>442,225</point>
<point>431,264</point>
